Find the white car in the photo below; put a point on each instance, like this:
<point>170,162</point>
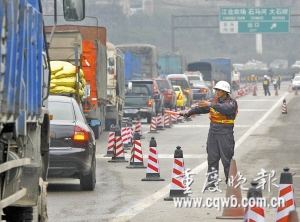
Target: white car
<point>296,82</point>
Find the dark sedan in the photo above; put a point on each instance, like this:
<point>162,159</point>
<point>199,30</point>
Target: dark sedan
<point>73,144</point>
<point>200,90</point>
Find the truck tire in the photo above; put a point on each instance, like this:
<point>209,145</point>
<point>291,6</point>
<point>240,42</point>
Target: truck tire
<point>22,214</point>
<point>88,182</point>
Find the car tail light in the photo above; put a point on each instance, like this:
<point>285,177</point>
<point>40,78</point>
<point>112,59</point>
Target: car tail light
<point>203,90</point>
<point>80,134</point>
<point>150,101</point>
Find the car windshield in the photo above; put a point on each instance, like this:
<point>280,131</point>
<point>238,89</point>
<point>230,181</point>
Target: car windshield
<point>177,89</point>
<point>61,110</point>
<point>181,82</point>
<point>197,83</point>
<point>138,90</point>
<point>297,78</point>
<point>163,84</point>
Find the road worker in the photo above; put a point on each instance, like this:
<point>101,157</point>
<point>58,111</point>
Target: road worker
<point>266,84</point>
<point>222,111</point>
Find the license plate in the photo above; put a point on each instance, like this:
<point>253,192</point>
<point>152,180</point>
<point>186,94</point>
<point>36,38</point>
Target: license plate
<point>130,111</point>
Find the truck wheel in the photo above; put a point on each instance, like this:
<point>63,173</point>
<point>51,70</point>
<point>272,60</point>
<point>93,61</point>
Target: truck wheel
<point>18,214</point>
<point>42,201</point>
<point>88,182</point>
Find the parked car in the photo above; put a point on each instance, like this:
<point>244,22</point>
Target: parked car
<point>181,98</point>
<point>166,88</point>
<point>296,82</point>
<point>139,101</point>
<point>199,87</point>
<point>154,90</point>
<point>182,80</point>
<point>73,144</point>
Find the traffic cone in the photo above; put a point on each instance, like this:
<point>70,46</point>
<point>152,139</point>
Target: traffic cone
<point>129,135</point>
<point>160,122</point>
<point>125,139</point>
<point>153,126</point>
<point>136,160</point>
<point>286,191</point>
<point>254,90</point>
<point>233,189</point>
<point>174,117</point>
<point>290,88</point>
<point>284,108</point>
<point>276,91</point>
<point>118,151</point>
<point>152,172</point>
<point>167,120</point>
<point>177,188</point>
<point>254,212</point>
<point>138,127</point>
<point>179,118</point>
<point>293,216</point>
<point>296,91</point>
<point>111,141</point>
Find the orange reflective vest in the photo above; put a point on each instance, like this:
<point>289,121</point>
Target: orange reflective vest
<point>217,117</point>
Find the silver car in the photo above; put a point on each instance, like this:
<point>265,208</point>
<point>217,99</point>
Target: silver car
<point>296,82</point>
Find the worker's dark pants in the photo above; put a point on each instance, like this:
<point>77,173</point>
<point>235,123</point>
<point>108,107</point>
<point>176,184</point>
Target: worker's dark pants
<point>219,146</point>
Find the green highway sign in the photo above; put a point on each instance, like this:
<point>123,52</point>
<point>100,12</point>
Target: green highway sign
<point>235,20</point>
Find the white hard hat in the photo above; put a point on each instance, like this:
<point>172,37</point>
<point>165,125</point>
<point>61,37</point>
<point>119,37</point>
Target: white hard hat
<point>265,76</point>
<point>223,85</point>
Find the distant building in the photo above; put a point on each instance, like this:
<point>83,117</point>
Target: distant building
<point>131,7</point>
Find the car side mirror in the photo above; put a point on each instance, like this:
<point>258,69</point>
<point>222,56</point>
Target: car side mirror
<point>95,122</point>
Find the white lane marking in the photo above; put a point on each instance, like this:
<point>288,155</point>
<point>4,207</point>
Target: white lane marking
<point>139,207</point>
<point>160,156</point>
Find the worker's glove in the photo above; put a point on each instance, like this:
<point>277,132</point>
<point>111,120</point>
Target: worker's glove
<point>185,115</point>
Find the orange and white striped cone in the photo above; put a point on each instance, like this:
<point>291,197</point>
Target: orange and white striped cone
<point>111,141</point>
<point>276,91</point>
<point>136,160</point>
<point>254,90</point>
<point>160,122</point>
<point>138,127</point>
<point>167,120</point>
<point>118,151</point>
<point>174,117</point>
<point>177,188</point>
<point>253,212</point>
<point>153,128</point>
<point>296,91</point>
<point>125,139</point>
<point>128,129</point>
<point>290,88</point>
<point>152,172</point>
<point>179,118</point>
<point>284,108</point>
<point>286,191</point>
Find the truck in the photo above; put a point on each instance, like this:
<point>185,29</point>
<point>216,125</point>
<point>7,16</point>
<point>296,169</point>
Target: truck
<point>24,115</point>
<point>103,71</point>
<point>115,86</point>
<point>216,69</point>
<point>171,63</point>
<point>140,61</point>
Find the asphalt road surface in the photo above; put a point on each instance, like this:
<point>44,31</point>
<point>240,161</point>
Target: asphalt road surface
<point>266,141</point>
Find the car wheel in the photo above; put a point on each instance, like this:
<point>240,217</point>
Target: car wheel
<point>88,182</point>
